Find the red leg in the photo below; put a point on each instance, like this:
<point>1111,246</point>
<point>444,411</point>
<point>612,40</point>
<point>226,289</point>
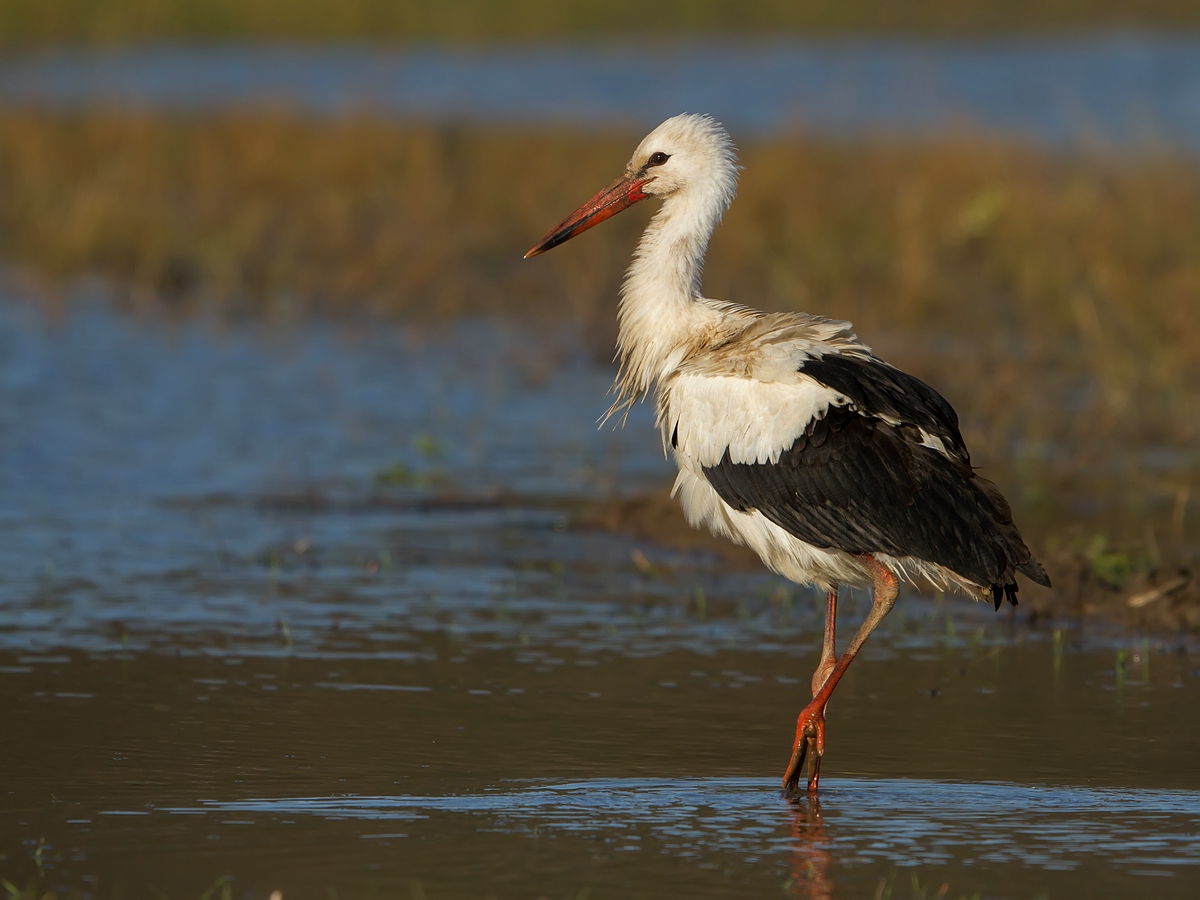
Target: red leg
<point>815,732</point>
<point>828,647</point>
<point>810,726</point>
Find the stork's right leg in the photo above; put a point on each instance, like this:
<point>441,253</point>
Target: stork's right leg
<point>810,726</point>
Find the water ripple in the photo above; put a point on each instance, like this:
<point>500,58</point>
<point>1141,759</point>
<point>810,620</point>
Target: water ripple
<point>904,821</point>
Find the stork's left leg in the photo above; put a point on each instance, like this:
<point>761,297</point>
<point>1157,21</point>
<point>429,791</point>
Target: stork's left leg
<point>814,736</point>
<point>828,647</point>
<point>810,726</point>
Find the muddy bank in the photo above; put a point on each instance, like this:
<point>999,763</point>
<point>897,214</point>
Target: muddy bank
<point>1162,597</point>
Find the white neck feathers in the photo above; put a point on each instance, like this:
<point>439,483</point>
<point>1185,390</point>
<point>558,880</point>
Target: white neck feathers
<point>662,315</point>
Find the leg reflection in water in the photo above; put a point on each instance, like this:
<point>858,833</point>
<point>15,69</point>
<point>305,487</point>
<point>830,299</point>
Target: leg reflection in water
<point>811,850</point>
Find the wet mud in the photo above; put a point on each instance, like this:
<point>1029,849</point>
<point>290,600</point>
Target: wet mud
<point>1162,598</point>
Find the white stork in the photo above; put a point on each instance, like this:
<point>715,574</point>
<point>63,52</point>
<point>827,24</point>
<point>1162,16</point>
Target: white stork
<point>790,436</point>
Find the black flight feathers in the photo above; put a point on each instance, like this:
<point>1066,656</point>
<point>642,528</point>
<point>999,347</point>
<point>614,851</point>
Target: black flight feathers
<point>877,389</point>
<point>856,483</point>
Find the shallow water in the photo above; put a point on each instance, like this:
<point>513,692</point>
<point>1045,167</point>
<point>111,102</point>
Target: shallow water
<point>310,611</point>
<point>1107,90</point>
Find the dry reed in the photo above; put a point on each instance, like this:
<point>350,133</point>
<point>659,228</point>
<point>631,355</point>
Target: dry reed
<point>114,21</point>
<point>1052,299</point>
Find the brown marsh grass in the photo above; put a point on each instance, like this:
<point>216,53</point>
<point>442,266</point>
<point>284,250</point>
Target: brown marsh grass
<point>115,21</point>
<point>1053,299</point>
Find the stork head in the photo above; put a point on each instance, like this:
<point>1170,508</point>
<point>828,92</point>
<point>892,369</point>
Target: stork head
<point>687,156</point>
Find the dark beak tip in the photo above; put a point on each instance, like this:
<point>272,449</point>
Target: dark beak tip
<point>617,196</point>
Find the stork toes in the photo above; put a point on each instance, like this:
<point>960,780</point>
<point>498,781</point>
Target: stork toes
<point>809,747</point>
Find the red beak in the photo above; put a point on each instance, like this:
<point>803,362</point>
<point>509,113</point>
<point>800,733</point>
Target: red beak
<point>622,193</point>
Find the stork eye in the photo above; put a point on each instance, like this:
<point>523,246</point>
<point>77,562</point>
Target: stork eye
<point>657,159</point>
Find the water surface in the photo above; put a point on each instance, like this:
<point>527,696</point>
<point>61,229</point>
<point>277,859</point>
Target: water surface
<point>1110,90</point>
<point>313,610</point>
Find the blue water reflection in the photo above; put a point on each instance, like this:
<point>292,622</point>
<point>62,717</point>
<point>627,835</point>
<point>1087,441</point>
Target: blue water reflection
<point>1123,90</point>
<point>906,822</point>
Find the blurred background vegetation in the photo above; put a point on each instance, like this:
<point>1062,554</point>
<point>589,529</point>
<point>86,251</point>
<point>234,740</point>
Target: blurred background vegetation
<point>1051,294</point>
<point>108,21</point>
<point>1052,297</point>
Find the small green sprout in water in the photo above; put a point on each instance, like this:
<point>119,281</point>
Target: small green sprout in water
<point>285,633</point>
<point>922,893</point>
<point>224,884</point>
<point>883,890</point>
<point>31,891</point>
<point>701,606</point>
<point>395,475</point>
<point>1122,657</point>
<point>428,446</point>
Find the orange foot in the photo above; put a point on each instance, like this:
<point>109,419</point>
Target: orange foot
<point>810,745</point>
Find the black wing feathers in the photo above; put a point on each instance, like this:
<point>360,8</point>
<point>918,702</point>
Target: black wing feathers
<point>854,482</point>
<point>875,388</point>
